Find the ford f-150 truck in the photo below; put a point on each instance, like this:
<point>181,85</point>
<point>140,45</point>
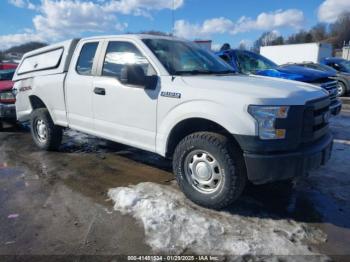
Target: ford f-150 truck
<point>171,97</point>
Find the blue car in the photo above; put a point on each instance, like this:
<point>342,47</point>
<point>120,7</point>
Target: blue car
<point>247,62</point>
<point>337,63</point>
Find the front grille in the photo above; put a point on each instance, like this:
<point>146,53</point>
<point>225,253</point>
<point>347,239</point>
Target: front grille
<point>332,88</point>
<point>316,119</point>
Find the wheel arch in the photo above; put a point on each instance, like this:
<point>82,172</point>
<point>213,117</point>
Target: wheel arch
<point>36,102</point>
<point>191,125</point>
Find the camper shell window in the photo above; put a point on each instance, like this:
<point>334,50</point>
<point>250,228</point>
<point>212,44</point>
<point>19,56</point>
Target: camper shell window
<point>43,61</point>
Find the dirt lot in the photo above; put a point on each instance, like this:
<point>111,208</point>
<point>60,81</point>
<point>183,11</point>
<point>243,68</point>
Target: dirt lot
<point>97,198</point>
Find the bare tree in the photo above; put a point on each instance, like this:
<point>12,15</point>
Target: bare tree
<point>319,32</point>
<point>340,30</point>
<point>301,37</point>
<point>267,38</point>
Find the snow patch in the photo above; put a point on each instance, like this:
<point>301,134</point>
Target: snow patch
<point>174,225</point>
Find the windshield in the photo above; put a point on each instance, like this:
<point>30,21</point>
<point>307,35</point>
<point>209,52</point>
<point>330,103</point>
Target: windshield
<point>181,58</point>
<point>346,65</point>
<point>326,67</point>
<point>250,62</point>
<point>6,75</point>
<point>320,67</point>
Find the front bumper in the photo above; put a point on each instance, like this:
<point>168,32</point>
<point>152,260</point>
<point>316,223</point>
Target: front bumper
<point>264,168</point>
<point>8,112</point>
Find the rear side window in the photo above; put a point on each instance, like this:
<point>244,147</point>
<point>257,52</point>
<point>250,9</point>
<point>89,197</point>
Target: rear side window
<point>120,54</point>
<point>86,58</point>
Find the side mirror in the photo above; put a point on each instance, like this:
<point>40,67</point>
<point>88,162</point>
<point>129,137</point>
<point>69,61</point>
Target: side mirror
<point>337,67</point>
<point>135,75</point>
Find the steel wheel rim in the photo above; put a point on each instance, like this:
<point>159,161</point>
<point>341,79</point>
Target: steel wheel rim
<point>203,171</point>
<point>41,130</point>
<point>341,88</point>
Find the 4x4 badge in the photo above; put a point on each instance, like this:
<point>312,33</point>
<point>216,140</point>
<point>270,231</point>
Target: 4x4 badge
<point>170,94</point>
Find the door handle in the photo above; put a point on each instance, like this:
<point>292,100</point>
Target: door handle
<point>100,91</point>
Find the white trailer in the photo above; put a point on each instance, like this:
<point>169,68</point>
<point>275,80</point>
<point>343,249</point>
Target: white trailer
<point>346,52</point>
<point>297,53</point>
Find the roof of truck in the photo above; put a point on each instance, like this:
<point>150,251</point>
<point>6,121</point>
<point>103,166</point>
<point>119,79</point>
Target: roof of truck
<point>134,36</point>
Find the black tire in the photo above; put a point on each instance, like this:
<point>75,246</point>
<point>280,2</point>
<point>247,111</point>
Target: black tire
<point>232,169</point>
<point>1,126</point>
<point>341,89</point>
<point>53,132</point>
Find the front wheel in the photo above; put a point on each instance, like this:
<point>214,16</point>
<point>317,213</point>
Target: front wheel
<point>209,169</point>
<point>45,133</point>
<point>341,89</point>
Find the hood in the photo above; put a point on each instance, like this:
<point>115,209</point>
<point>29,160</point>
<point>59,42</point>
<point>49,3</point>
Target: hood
<point>6,85</point>
<point>256,88</point>
<point>297,73</point>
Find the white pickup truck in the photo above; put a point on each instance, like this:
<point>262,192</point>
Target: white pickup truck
<point>173,98</point>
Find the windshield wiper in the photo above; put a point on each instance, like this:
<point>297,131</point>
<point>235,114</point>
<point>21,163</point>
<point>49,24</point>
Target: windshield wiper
<point>203,72</point>
<point>192,72</point>
<point>224,72</point>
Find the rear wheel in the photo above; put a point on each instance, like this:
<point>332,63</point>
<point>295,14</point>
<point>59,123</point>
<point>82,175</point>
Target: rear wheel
<point>1,125</point>
<point>209,169</point>
<point>45,133</point>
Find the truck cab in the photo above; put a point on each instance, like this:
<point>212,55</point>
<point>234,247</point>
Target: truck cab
<point>171,97</point>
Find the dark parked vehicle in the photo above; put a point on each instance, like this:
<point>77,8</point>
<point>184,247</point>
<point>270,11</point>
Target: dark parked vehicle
<point>247,62</point>
<point>342,78</point>
<point>342,66</point>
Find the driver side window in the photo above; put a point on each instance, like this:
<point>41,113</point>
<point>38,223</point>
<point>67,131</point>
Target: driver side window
<point>121,54</point>
<point>250,63</point>
<point>246,63</point>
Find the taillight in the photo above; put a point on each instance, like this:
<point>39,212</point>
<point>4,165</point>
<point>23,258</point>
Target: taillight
<point>7,97</point>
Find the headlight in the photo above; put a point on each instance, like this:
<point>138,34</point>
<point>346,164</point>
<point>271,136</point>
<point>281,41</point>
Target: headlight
<point>266,117</point>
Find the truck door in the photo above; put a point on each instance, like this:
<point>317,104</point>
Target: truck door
<point>124,113</point>
<point>79,86</point>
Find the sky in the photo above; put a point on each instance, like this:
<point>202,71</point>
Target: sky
<point>218,20</point>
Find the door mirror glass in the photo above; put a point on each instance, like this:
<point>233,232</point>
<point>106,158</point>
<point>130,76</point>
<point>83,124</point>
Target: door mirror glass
<point>133,75</point>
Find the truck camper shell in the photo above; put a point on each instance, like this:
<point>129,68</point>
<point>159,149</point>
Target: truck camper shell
<point>49,60</point>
